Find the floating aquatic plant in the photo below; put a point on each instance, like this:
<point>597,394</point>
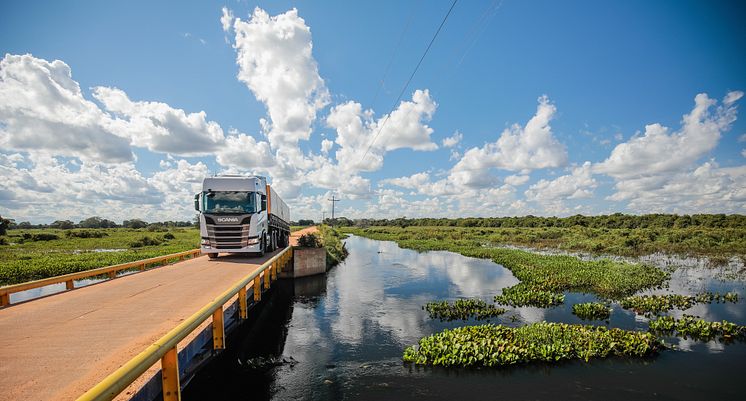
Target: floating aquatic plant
<point>462,309</point>
<point>524,295</point>
<point>592,311</point>
<point>694,327</point>
<point>496,345</point>
<point>649,304</point>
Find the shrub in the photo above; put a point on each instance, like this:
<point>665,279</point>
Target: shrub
<point>43,237</point>
<point>86,234</point>
<point>168,236</point>
<point>309,241</point>
<point>145,241</point>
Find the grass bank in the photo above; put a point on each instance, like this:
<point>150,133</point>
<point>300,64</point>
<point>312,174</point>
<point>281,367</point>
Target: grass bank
<point>540,275</point>
<point>331,239</point>
<point>40,253</point>
<point>717,243</point>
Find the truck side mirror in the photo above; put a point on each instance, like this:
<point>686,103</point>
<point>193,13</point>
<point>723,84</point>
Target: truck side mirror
<point>196,202</point>
<point>264,202</point>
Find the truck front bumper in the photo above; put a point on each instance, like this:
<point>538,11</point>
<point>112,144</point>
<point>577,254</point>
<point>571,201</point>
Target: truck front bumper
<point>247,249</point>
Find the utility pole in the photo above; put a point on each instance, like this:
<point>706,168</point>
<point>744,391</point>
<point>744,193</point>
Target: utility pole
<point>323,217</point>
<point>333,200</point>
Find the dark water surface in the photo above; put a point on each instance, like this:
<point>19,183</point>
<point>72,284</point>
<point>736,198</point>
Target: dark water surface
<point>342,337</point>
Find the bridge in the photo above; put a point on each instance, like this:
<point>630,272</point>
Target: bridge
<point>104,341</point>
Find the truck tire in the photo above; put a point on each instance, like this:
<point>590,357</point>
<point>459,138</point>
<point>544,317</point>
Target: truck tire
<point>212,256</point>
<point>263,245</point>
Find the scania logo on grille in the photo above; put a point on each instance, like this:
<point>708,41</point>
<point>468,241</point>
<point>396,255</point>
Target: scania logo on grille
<point>227,219</point>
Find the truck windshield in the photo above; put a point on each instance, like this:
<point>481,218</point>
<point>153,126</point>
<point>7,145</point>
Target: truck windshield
<point>228,202</point>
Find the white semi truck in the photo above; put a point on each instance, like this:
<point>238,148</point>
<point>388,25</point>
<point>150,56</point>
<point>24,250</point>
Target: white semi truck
<point>241,214</point>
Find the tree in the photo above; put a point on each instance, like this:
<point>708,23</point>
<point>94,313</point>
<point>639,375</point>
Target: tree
<point>303,222</point>
<point>62,224</point>
<point>134,223</point>
<point>91,222</point>
<point>4,224</point>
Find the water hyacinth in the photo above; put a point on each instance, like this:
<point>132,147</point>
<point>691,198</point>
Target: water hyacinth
<point>650,304</point>
<point>524,295</point>
<point>495,345</point>
<point>694,327</point>
<point>592,311</point>
<point>462,309</point>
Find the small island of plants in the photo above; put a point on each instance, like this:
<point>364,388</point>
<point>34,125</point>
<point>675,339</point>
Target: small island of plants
<point>592,311</point>
<point>495,345</point>
<point>462,309</point>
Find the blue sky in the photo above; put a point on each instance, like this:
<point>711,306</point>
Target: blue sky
<point>595,79</point>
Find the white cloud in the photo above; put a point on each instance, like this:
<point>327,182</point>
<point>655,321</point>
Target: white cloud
<point>518,149</point>
<point>326,146</point>
<point>42,108</point>
<point>413,181</point>
<point>227,19</point>
<point>453,140</point>
<point>159,127</point>
<point>658,151</point>
<point>356,130</point>
<point>275,60</point>
<point>517,180</point>
<point>243,151</point>
<point>579,184</point>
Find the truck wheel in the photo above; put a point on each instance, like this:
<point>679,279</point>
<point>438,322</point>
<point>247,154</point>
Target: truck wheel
<point>263,245</point>
<point>212,256</point>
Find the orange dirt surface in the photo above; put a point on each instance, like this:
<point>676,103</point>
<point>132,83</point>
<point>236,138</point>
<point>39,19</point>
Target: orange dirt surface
<point>58,347</point>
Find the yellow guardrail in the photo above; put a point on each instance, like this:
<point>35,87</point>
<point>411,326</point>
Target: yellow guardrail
<point>69,279</point>
<point>165,348</point>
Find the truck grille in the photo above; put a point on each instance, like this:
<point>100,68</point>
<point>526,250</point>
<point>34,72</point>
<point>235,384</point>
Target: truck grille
<point>228,237</point>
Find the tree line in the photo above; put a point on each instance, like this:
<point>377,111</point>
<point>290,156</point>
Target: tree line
<point>616,220</point>
<point>91,222</point>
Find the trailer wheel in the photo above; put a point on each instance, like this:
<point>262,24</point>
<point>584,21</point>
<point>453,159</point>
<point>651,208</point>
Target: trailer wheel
<point>263,245</point>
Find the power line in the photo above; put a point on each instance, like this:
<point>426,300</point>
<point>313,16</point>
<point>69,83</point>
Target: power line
<point>333,200</point>
<point>404,89</point>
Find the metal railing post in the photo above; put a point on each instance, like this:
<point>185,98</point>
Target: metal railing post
<point>218,329</point>
<point>266,279</point>
<point>69,284</point>
<point>243,308</point>
<point>4,299</point>
<point>257,289</point>
<point>170,375</point>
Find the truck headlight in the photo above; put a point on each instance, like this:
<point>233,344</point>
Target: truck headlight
<point>206,243</point>
<point>253,241</point>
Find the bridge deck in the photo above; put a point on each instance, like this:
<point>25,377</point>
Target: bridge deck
<point>56,348</point>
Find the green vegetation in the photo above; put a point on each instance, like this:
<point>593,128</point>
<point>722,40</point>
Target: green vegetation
<point>549,273</point>
<point>524,295</point>
<point>335,248</point>
<point>29,255</point>
<point>592,311</point>
<point>712,235</point>
<point>649,304</point>
<point>691,326</point>
<point>494,345</point>
<point>462,309</point>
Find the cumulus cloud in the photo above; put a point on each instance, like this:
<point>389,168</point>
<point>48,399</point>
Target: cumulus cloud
<point>660,151</point>
<point>42,108</point>
<point>453,140</point>
<point>243,151</point>
<point>275,60</point>
<point>517,179</point>
<point>227,19</point>
<point>526,148</point>
<point>160,127</point>
<point>413,181</point>
<point>405,128</point>
<point>579,184</point>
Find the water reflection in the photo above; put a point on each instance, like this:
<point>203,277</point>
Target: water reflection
<point>347,332</point>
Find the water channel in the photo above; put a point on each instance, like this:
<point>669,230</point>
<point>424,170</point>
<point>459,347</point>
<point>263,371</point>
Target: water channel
<point>341,337</point>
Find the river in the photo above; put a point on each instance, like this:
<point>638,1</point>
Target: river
<point>341,337</point>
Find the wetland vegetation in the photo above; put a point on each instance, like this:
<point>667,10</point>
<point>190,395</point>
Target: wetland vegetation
<point>496,345</point>
<point>652,304</point>
<point>39,253</point>
<point>462,309</point>
<point>694,327</point>
<point>592,311</point>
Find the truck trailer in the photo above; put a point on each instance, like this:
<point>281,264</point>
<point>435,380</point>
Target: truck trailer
<point>241,214</point>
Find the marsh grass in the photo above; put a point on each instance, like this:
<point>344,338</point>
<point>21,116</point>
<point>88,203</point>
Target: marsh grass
<point>24,259</point>
<point>495,345</point>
